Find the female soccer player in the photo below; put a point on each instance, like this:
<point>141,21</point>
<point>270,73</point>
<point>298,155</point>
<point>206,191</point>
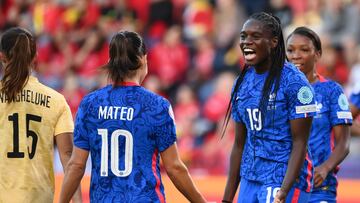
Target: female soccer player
<point>272,105</point>
<point>330,132</point>
<point>32,118</point>
<point>126,128</point>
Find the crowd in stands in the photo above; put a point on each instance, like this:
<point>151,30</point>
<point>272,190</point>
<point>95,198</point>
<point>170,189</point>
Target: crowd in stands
<point>193,53</point>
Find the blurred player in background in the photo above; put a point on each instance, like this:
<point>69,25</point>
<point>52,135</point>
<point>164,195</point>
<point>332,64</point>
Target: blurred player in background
<point>272,105</point>
<point>126,128</point>
<point>330,132</point>
<point>33,117</point>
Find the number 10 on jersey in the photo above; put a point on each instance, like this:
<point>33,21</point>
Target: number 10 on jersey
<point>114,157</point>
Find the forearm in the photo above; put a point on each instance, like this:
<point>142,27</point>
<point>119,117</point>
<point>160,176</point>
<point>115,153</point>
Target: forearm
<point>71,182</point>
<point>183,182</point>
<point>234,174</point>
<point>295,163</point>
<point>355,128</point>
<point>342,147</point>
<point>77,194</point>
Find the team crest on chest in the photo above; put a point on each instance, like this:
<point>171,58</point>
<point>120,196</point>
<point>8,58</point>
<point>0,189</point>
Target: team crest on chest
<point>305,95</point>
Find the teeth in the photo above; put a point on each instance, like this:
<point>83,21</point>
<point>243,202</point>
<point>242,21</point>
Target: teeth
<point>248,50</point>
<point>297,65</point>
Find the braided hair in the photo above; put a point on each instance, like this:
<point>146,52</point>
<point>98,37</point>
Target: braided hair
<point>272,23</point>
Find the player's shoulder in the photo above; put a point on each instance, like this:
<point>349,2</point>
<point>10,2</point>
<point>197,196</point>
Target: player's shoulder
<point>290,70</point>
<point>149,96</point>
<point>44,89</point>
<point>96,94</point>
<point>292,75</point>
<point>331,86</point>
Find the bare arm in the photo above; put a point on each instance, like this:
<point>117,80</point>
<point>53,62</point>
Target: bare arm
<point>235,161</point>
<point>354,111</point>
<point>73,174</point>
<point>341,150</point>
<point>300,130</point>
<point>64,144</point>
<point>179,174</point>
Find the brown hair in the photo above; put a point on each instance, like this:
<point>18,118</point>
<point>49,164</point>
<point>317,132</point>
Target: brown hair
<point>19,49</point>
<point>126,48</point>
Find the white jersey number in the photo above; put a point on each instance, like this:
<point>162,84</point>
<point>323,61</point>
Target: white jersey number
<point>271,193</point>
<point>115,152</point>
<point>255,119</point>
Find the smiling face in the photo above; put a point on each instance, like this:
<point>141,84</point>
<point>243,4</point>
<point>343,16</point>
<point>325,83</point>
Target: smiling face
<point>301,51</point>
<point>256,43</point>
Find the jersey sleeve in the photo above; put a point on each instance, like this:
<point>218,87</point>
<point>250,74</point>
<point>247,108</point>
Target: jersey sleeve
<point>81,138</point>
<point>165,130</point>
<point>339,107</point>
<point>355,96</point>
<point>301,100</point>
<point>65,122</point>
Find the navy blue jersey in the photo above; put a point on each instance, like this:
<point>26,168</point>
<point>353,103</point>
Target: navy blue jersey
<point>125,128</point>
<point>268,142</point>
<point>332,109</point>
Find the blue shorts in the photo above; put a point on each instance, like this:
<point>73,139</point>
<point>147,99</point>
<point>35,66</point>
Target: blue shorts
<point>321,196</point>
<point>254,192</point>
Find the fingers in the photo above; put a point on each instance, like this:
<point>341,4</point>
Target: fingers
<point>318,180</point>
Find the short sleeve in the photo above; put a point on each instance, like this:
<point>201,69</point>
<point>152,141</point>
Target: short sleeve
<point>301,100</point>
<point>355,100</point>
<point>339,107</point>
<point>164,129</point>
<point>65,122</point>
<point>81,137</point>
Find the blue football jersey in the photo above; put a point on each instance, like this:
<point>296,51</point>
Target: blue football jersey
<point>268,142</point>
<point>355,96</point>
<point>125,128</point>
<point>332,109</point>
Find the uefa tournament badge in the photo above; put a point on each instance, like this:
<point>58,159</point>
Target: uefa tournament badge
<point>305,95</point>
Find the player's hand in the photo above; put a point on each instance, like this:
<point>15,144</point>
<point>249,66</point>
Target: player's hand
<point>280,196</point>
<point>320,175</point>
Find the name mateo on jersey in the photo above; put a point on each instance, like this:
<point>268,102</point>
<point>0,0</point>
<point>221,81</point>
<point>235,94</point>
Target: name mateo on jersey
<point>30,97</point>
<point>116,112</point>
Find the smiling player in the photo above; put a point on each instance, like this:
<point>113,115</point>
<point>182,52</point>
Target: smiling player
<point>272,105</point>
<point>330,132</point>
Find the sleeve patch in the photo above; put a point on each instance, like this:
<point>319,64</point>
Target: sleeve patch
<point>343,102</point>
<point>306,109</point>
<point>305,95</point>
<point>344,115</point>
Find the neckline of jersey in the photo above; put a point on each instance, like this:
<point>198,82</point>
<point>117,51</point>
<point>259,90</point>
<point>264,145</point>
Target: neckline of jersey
<point>128,84</point>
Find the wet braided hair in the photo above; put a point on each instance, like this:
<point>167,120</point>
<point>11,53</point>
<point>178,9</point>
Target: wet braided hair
<point>272,23</point>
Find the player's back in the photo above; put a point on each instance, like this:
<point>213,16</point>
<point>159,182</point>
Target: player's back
<point>28,125</point>
<point>125,128</point>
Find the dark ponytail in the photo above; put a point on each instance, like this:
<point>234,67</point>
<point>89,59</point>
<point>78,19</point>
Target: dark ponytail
<point>19,48</point>
<point>126,49</point>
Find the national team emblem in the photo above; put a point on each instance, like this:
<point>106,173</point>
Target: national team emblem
<point>272,97</point>
<point>305,95</point>
<point>343,102</point>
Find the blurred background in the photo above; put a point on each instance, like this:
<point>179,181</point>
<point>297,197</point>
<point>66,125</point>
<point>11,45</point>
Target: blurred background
<point>193,58</point>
